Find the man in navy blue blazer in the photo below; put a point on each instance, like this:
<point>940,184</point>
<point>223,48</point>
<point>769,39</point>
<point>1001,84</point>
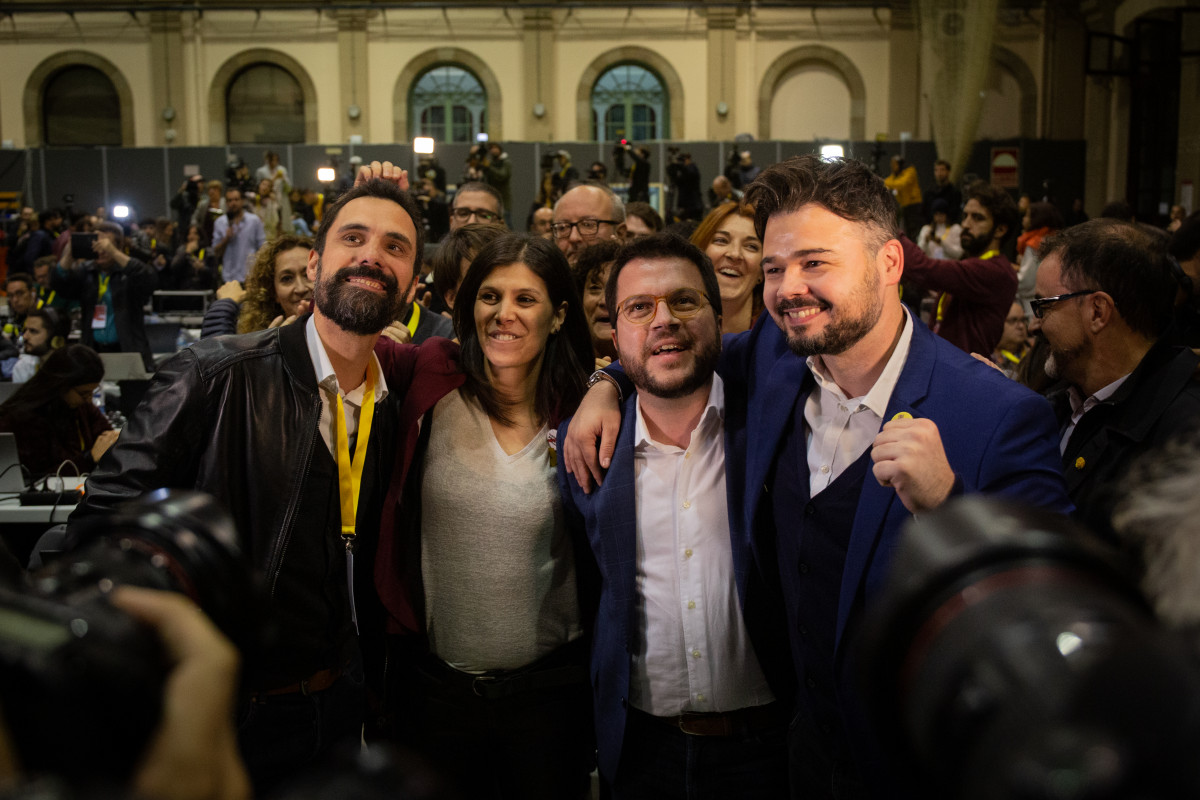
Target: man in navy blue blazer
<point>858,417</point>
<point>689,690</point>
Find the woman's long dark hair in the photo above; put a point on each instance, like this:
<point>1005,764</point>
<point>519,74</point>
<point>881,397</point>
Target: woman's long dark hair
<point>66,367</point>
<point>568,357</point>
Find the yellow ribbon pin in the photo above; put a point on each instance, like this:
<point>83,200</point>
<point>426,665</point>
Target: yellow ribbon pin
<point>1080,463</point>
<point>902,415</point>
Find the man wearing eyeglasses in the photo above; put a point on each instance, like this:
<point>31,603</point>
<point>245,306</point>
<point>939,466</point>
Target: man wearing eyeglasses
<point>857,417</point>
<point>589,213</point>
<point>694,692</point>
<point>476,202</point>
<point>1105,293</point>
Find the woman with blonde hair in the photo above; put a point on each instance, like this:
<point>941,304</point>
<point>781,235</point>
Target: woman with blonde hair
<point>277,291</point>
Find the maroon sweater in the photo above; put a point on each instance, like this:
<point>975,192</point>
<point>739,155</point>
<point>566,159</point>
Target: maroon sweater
<point>975,296</point>
<point>430,371</point>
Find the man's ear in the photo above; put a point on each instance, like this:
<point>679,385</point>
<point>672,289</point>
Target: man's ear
<point>622,232</point>
<point>314,258</point>
<point>1101,311</point>
<point>890,262</point>
<point>412,289</point>
<point>998,234</point>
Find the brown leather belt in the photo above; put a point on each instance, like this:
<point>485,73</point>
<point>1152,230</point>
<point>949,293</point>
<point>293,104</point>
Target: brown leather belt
<point>317,682</point>
<point>742,722</point>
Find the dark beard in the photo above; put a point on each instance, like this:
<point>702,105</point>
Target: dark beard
<point>843,332</point>
<point>704,363</point>
<point>352,308</point>
<point>975,247</point>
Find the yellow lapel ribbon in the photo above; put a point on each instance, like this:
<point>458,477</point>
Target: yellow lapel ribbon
<point>414,320</point>
<point>103,286</point>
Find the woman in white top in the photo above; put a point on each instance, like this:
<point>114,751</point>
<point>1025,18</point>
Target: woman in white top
<point>939,239</point>
<point>501,701</point>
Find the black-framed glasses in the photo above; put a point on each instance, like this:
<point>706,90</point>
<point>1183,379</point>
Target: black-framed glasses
<point>483,214</point>
<point>587,227</point>
<point>1038,305</point>
<point>683,303</point>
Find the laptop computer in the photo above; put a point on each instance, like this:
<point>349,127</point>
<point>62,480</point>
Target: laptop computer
<point>12,477</point>
<point>123,366</point>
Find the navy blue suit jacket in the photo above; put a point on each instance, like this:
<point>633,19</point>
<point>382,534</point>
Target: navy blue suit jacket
<point>606,518</point>
<point>999,438</point>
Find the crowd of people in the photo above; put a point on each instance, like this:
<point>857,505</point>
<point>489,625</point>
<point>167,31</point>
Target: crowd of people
<point>616,491</point>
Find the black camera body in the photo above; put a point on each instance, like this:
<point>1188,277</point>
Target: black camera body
<point>81,683</point>
<point>1011,655</point>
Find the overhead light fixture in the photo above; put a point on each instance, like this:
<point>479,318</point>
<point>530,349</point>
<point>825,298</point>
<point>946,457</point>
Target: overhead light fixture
<point>423,145</point>
<point>831,151</point>
<point>120,211</point>
<point>326,174</point>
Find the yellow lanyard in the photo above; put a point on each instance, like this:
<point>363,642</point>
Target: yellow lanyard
<point>941,306</point>
<point>45,300</point>
<point>103,286</point>
<point>350,474</point>
<point>414,320</point>
<point>200,255</point>
<point>1010,356</point>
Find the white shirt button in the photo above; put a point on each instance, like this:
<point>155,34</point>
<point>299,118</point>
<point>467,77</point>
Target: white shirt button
<point>824,469</point>
<point>687,553</point>
<point>695,654</point>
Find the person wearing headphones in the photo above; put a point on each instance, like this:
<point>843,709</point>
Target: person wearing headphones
<point>45,331</point>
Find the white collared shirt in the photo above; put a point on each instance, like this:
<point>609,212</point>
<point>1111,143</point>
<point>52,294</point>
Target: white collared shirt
<point>693,652</point>
<point>328,383</point>
<point>840,429</point>
<point>1080,406</point>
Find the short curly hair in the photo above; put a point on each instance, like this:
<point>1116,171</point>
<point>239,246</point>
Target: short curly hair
<point>260,305</point>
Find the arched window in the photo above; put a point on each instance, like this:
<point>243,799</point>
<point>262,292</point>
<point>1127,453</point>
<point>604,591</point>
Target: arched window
<point>264,104</point>
<point>80,107</point>
<point>629,102</point>
<point>449,104</point>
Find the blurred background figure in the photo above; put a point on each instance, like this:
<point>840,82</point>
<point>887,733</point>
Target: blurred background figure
<point>53,417</point>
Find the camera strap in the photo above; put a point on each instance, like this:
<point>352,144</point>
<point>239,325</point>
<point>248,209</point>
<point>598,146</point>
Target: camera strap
<point>350,473</point>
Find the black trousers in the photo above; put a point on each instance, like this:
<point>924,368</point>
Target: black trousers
<point>521,734</point>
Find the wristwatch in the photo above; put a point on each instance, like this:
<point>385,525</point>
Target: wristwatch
<point>601,376</point>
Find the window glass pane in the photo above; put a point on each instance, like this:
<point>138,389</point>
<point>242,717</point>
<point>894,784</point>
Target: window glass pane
<point>614,123</point>
<point>264,104</point>
<point>644,125</point>
<point>459,97</point>
<point>463,130</point>
<point>433,123</point>
<point>80,107</point>
<point>630,86</point>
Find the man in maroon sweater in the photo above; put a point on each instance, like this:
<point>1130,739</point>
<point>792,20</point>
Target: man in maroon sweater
<point>975,292</point>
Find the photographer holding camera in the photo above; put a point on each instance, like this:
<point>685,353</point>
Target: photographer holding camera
<point>684,177</point>
<point>489,163</point>
<point>193,754</point>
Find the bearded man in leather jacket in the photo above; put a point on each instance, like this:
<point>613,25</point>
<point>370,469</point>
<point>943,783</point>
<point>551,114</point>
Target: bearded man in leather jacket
<point>253,421</point>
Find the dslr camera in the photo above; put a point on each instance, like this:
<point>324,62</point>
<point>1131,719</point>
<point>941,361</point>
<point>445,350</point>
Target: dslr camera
<point>81,683</point>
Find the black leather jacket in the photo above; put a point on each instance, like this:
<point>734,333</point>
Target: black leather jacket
<point>237,417</point>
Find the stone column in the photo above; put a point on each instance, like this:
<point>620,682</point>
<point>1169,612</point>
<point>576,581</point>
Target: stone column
<point>539,111</point>
<point>353,106</point>
<point>721,55</point>
<point>1063,99</point>
<point>904,75</point>
<point>166,78</point>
